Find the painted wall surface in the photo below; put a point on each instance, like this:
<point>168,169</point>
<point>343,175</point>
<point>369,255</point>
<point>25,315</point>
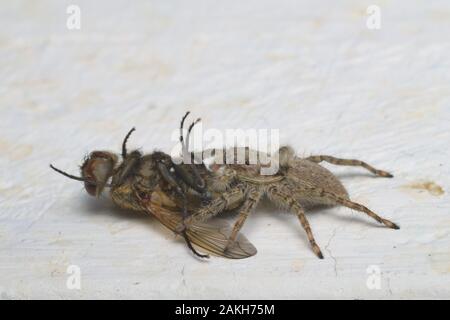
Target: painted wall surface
<point>312,69</point>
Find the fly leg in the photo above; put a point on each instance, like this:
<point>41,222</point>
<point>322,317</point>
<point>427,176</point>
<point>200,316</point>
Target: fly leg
<point>170,179</point>
<point>197,183</point>
<point>187,171</point>
<point>124,143</point>
<point>349,162</point>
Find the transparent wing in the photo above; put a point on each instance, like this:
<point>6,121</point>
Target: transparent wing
<point>211,237</point>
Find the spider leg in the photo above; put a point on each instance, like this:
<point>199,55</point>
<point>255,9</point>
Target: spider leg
<point>253,197</point>
<point>349,162</point>
<point>359,207</point>
<point>227,200</point>
<point>284,197</point>
<point>336,199</point>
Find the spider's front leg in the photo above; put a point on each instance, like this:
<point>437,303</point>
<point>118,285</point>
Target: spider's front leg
<point>227,200</point>
<point>252,198</point>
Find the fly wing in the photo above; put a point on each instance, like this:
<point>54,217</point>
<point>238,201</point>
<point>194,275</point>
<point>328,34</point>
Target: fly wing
<point>211,237</point>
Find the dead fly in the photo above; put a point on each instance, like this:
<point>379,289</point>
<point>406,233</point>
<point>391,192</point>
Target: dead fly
<point>299,184</point>
<point>143,183</point>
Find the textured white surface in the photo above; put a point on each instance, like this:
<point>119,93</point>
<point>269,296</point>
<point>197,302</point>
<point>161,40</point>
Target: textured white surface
<point>309,68</point>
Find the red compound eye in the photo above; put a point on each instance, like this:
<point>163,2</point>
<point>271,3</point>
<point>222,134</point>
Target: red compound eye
<point>97,169</point>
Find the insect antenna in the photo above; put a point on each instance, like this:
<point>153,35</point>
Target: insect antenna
<point>124,143</point>
<point>75,177</point>
<point>67,174</point>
